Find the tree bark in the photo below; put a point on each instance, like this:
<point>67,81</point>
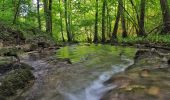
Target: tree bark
<point>124,32</point>
<point>166,16</point>
<point>96,24</point>
<point>45,3</point>
<point>50,17</point>
<point>114,33</point>
<point>38,14</point>
<point>103,20</point>
<point>66,21</point>
<point>61,23</point>
<point>142,18</point>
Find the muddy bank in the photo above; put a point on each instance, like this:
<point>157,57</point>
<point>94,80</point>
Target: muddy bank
<point>147,79</point>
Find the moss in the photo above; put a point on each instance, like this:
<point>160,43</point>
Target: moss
<point>22,66</point>
<point>6,66</point>
<point>15,80</point>
<point>33,47</point>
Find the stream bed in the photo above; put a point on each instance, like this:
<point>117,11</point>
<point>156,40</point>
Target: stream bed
<point>84,79</point>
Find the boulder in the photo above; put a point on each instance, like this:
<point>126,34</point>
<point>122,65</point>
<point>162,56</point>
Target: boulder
<point>15,80</point>
<point>7,66</point>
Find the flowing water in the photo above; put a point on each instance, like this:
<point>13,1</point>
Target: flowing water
<point>84,79</point>
<point>111,60</point>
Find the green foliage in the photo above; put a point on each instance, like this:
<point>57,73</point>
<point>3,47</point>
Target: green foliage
<point>82,16</point>
<point>151,38</point>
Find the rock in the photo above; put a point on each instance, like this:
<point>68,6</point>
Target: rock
<point>43,44</point>
<point>15,80</point>
<point>133,87</point>
<point>22,66</point>
<point>164,59</point>
<point>12,53</point>
<point>33,47</point>
<point>153,90</point>
<point>144,73</point>
<point>142,54</point>
<point>7,67</point>
<point>139,53</point>
<point>67,60</point>
<point>120,81</point>
<point>153,49</point>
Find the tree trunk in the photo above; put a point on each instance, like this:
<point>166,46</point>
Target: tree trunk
<point>108,21</point>
<point>50,17</point>
<point>45,3</point>
<point>114,33</point>
<point>142,18</point>
<point>166,16</point>
<point>96,23</point>
<point>61,23</point>
<point>17,12</point>
<point>103,21</point>
<point>70,20</point>
<point>66,21</point>
<point>38,14</point>
<point>124,32</point>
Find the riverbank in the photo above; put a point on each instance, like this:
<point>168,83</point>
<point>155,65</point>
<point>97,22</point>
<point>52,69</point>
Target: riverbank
<point>147,79</point>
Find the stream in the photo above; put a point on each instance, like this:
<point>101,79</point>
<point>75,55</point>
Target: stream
<point>84,79</point>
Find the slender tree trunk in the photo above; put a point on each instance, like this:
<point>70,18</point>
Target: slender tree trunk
<point>70,20</point>
<point>61,23</point>
<point>45,3</point>
<point>38,14</point>
<point>137,16</point>
<point>109,22</point>
<point>166,16</point>
<point>16,12</point>
<point>103,20</point>
<point>124,32</point>
<point>85,27</point>
<point>66,21</point>
<point>114,33</point>
<point>96,23</point>
<point>50,17</point>
<point>142,18</point>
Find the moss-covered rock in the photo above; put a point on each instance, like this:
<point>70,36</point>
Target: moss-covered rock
<point>15,80</point>
<point>8,66</point>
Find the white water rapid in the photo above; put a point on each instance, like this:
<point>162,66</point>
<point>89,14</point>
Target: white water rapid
<point>97,89</point>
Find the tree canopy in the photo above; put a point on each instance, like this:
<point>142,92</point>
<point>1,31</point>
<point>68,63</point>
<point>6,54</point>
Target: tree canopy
<point>89,20</point>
